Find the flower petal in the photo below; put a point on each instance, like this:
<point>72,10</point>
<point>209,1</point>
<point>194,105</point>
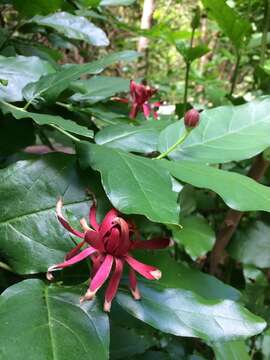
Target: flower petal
<point>64,222</point>
<point>156,243</point>
<point>133,284</point>
<point>146,110</point>
<point>113,284</point>
<point>148,271</point>
<point>124,241</point>
<point>107,222</point>
<point>93,238</point>
<point>77,258</point>
<point>93,216</point>
<point>134,110</point>
<point>100,277</point>
<point>113,241</point>
<point>74,251</point>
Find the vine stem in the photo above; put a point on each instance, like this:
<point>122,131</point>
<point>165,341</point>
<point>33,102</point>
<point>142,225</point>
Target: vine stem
<point>171,148</point>
<point>4,266</point>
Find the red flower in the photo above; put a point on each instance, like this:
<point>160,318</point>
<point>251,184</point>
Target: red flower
<point>140,95</point>
<point>109,245</point>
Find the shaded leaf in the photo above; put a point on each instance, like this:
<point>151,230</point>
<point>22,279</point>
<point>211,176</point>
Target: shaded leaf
<point>31,8</point>
<point>196,236</point>
<point>180,275</point>
<point>191,53</point>
<point>49,87</point>
<point>251,246</point>
<point>53,325</point>
<point>19,71</point>
<point>183,313</point>
<point>74,27</point>
<point>239,192</point>
<point>142,179</point>
<point>234,26</point>
<point>45,119</point>
<point>233,350</point>
<point>223,134</point>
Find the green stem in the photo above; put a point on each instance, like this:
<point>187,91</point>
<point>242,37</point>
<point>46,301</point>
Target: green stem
<point>235,72</point>
<point>265,30</point>
<point>171,148</point>
<point>65,132</point>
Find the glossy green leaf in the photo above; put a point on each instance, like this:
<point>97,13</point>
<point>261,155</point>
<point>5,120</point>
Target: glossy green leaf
<point>233,350</point>
<point>49,87</point>
<point>234,26</point>
<point>180,275</point>
<point>252,245</point>
<point>238,191</point>
<point>74,27</point>
<point>224,134</point>
<point>183,313</point>
<point>132,183</point>
<point>31,237</point>
<point>45,119</point>
<point>196,236</point>
<point>31,8</point>
<point>19,71</point>
<point>98,88</point>
<point>47,322</point>
<point>125,342</point>
<point>140,139</point>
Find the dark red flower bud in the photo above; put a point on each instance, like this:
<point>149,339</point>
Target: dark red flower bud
<point>191,118</point>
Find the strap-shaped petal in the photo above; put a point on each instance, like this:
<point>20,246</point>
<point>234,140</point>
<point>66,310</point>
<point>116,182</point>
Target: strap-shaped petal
<point>133,284</point>
<point>93,238</point>
<point>64,222</point>
<point>147,271</point>
<point>75,259</point>
<point>74,251</point>
<point>107,222</point>
<point>113,284</point>
<point>102,274</point>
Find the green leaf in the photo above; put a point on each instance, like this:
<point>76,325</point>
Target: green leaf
<point>180,275</point>
<point>125,342</point>
<point>141,139</point>
<point>30,8</point>
<point>74,27</point>
<point>31,237</point>
<point>45,119</point>
<point>251,246</point>
<point>226,133</point>
<point>233,350</point>
<point>191,54</point>
<point>234,26</point>
<point>183,313</point>
<point>133,183</point>
<point>196,236</point>
<point>19,71</point>
<point>98,88</point>
<point>50,87</point>
<point>266,345</point>
<point>239,192</point>
<point>48,322</point>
